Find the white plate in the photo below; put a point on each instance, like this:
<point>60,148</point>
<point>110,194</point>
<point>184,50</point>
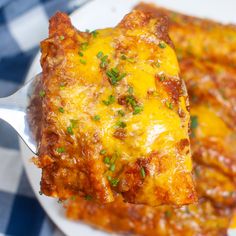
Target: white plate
<point>100,14</point>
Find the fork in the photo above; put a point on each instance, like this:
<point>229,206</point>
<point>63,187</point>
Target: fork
<point>15,108</point>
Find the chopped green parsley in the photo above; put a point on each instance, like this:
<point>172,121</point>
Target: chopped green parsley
<point>142,172</point>
<point>113,181</point>
<point>124,57</point>
<point>162,78</point>
<point>70,130</point>
<point>194,122</point>
<point>137,109</point>
<point>121,113</point>
<point>120,124</point>
<point>162,45</point>
<point>60,150</point>
<point>112,167</point>
<point>80,53</point>
<point>130,90</point>
<point>157,64</point>
<point>100,55</point>
<point>168,213</point>
<point>62,86</point>
<point>96,118</point>
<point>115,76</point>
<point>84,46</point>
<point>94,33</point>
<point>61,109</point>
<point>82,61</point>
<point>109,101</point>
<point>131,101</point>
<point>169,105</point>
<point>104,61</point>
<point>106,160</point>
<point>73,123</point>
<point>103,152</point>
<point>42,93</point>
<point>88,197</point>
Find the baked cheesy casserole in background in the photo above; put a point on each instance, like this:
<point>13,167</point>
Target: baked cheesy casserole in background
<point>115,114</point>
<point>206,53</point>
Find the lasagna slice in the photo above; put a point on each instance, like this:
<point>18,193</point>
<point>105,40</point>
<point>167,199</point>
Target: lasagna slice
<point>115,114</point>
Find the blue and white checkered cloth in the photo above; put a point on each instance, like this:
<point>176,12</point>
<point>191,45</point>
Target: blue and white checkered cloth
<point>23,24</point>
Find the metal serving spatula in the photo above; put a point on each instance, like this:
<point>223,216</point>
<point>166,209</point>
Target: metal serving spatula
<point>15,109</point>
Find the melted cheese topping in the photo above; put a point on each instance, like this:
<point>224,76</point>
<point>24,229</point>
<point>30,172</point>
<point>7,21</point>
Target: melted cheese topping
<point>156,122</point>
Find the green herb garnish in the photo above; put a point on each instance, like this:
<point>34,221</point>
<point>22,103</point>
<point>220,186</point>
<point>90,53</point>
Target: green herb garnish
<point>80,53</point>
<point>84,46</point>
<point>193,125</point>
<point>114,182</point>
<point>73,123</point>
<point>112,167</point>
<point>169,105</point>
<point>61,109</point>
<point>157,64</point>
<point>142,172</point>
<point>130,90</point>
<point>121,113</point>
<point>82,61</point>
<point>131,101</point>
<point>121,124</point>
<point>62,86</point>
<point>100,55</point>
<point>107,160</point>
<point>96,118</point>
<point>131,60</point>
<point>42,93</point>
<point>194,122</point>
<point>70,130</point>
<point>123,57</point>
<point>167,213</point>
<point>61,37</point>
<point>162,45</point>
<point>94,33</point>
<point>103,152</point>
<point>162,78</point>
<point>109,101</point>
<point>137,109</point>
<point>115,76</point>
<point>88,197</point>
<point>104,61</point>
<point>60,150</point>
